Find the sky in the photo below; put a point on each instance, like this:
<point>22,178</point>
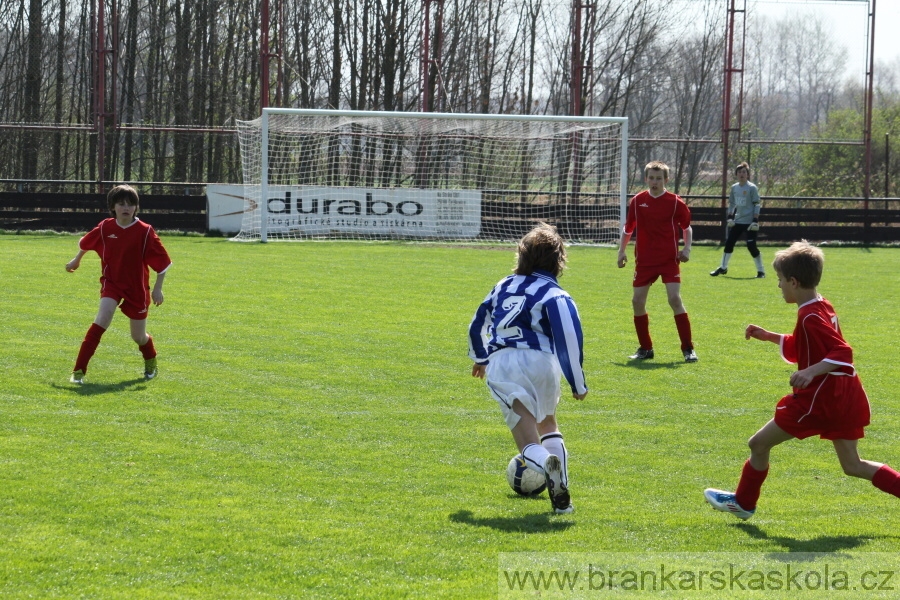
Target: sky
<point>847,19</point>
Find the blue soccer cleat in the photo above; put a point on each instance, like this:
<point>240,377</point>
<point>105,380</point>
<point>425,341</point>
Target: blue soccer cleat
<point>725,501</point>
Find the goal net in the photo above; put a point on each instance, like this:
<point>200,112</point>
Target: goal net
<point>430,176</point>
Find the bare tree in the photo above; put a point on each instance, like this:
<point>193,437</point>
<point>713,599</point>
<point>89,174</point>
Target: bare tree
<point>696,96</point>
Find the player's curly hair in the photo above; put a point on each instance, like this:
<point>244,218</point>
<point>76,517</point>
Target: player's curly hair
<point>541,249</point>
<point>744,165</point>
<point>802,261</point>
<point>119,193</point>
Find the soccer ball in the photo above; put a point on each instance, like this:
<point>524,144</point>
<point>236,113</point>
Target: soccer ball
<point>524,481</point>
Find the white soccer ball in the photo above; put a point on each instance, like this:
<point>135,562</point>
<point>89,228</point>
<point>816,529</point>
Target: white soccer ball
<point>523,480</point>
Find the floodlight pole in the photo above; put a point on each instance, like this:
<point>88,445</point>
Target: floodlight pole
<point>264,54</point>
<point>575,86</point>
<point>727,92</point>
<point>870,92</point>
<point>423,76</point>
<point>430,56</point>
<point>100,88</point>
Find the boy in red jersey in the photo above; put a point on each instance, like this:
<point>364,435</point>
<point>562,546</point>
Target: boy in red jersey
<point>828,398</point>
<point>128,249</point>
<point>657,214</point>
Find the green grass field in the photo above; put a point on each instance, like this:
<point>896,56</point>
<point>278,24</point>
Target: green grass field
<point>315,431</point>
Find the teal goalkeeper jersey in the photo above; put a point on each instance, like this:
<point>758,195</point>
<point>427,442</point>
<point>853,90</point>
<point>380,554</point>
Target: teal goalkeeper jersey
<point>744,203</point>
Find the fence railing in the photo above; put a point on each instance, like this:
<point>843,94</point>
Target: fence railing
<point>785,219</point>
<point>782,220</point>
<point>81,212</point>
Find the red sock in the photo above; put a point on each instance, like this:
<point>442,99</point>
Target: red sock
<point>147,350</point>
<point>683,324</point>
<point>88,347</point>
<point>749,487</point>
<point>642,326</point>
<point>887,480</point>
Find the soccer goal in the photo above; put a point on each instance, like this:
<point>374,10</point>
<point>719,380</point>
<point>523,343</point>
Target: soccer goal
<point>431,176</point>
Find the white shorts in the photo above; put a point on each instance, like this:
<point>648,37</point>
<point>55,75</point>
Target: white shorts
<point>529,376</point>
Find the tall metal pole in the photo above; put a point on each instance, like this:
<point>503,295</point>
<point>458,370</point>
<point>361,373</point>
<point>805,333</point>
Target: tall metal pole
<point>870,87</point>
<point>425,59</point>
<point>264,54</point>
<point>726,99</point>
<point>281,96</point>
<point>100,94</point>
<point>575,84</point>
<point>113,73</point>
<point>435,63</point>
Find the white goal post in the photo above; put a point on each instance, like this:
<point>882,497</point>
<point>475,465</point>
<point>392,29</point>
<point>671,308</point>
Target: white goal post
<point>332,174</point>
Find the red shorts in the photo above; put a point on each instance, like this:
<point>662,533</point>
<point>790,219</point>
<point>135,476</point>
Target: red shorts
<point>834,418</point>
<point>126,304</point>
<point>670,273</point>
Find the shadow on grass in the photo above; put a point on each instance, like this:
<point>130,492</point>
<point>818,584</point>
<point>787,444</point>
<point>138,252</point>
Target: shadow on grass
<point>648,365</point>
<point>748,278</point>
<point>521,524</point>
<point>824,543</point>
<point>94,389</point>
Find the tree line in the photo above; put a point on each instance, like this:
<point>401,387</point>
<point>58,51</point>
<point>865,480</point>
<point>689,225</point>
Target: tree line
<point>182,72</point>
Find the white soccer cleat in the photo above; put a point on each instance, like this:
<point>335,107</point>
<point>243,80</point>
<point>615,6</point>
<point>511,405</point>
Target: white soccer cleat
<point>726,502</point>
<point>77,377</point>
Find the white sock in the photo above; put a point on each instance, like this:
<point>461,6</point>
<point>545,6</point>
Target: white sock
<point>758,260</point>
<point>554,444</point>
<point>726,256</point>
<point>535,455</point>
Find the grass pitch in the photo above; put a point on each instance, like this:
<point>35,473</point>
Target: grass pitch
<point>314,431</point>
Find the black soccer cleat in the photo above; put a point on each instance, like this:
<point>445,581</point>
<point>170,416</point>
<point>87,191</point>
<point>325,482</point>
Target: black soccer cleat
<point>760,274</point>
<point>642,354</point>
<point>690,356</point>
<point>559,493</point>
<point>718,271</point>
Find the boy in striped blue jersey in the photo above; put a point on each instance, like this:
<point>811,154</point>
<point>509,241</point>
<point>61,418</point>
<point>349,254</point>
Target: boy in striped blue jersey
<point>524,336</point>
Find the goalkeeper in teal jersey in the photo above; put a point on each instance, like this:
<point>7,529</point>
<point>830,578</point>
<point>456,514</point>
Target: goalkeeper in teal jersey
<point>525,335</point>
<point>743,217</point>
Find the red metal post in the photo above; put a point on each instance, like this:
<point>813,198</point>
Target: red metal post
<point>726,99</point>
<point>281,96</point>
<point>870,87</point>
<point>425,59</point>
<point>113,73</point>
<point>264,54</point>
<point>436,50</point>
<point>100,94</point>
<point>575,88</point>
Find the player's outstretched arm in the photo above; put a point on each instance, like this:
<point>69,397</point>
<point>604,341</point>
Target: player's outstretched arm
<point>757,332</point>
<point>75,262</point>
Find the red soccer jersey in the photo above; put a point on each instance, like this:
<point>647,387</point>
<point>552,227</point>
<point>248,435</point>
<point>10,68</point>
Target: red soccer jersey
<point>835,401</point>
<point>657,222</point>
<point>126,256</point>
